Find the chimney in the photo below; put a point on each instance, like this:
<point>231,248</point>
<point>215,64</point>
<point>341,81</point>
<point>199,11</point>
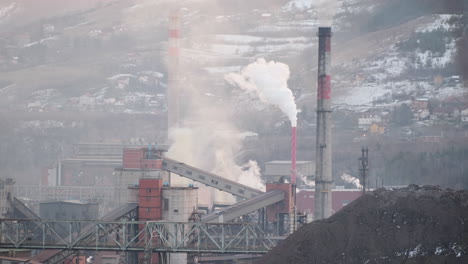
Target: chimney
<point>323,174</point>
<point>173,92</point>
<point>293,155</point>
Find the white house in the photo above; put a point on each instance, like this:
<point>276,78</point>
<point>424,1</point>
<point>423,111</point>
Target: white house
<point>464,116</point>
<point>366,120</point>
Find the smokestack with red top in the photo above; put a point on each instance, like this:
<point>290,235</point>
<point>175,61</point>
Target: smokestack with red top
<point>173,93</point>
<point>323,175</point>
<point>293,155</point>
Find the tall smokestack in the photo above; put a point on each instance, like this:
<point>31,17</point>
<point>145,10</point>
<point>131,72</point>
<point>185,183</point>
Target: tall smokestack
<point>293,176</point>
<point>293,155</point>
<point>323,175</point>
<point>173,92</point>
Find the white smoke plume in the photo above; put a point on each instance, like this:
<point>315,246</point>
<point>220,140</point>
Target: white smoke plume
<point>326,10</point>
<point>305,180</point>
<point>350,179</point>
<point>211,144</point>
<point>267,81</point>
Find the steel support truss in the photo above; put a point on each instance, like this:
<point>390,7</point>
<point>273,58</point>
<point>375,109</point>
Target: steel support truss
<point>133,236</point>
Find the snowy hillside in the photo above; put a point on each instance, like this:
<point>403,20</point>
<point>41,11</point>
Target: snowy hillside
<point>376,59</point>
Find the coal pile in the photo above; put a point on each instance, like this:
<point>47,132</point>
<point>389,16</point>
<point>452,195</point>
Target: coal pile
<point>410,225</point>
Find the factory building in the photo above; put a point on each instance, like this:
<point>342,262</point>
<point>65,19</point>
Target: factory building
<point>340,198</point>
<point>6,186</point>
<point>278,170</point>
<point>179,205</point>
<point>68,210</point>
<point>279,214</point>
<point>157,201</point>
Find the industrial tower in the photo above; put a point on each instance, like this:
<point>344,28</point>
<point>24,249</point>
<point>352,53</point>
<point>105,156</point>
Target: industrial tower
<point>323,175</point>
<point>174,89</point>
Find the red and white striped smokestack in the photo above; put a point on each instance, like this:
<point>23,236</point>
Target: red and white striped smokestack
<point>323,164</point>
<point>173,95</point>
<point>293,155</point>
<point>174,35</point>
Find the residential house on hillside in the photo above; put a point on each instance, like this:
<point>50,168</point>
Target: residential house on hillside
<point>430,139</point>
<point>377,129</point>
<point>445,112</point>
<point>120,81</point>
<point>450,109</point>
<point>420,104</point>
<point>464,115</point>
<point>366,120</point>
<point>420,108</point>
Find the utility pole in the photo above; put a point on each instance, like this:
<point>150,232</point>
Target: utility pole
<point>364,168</point>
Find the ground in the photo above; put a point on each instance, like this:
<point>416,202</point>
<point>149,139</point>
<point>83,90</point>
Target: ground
<point>410,225</point>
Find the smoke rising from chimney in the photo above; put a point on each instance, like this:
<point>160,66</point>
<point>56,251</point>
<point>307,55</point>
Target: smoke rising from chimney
<point>267,81</point>
<point>326,10</point>
<point>350,179</point>
<point>209,141</point>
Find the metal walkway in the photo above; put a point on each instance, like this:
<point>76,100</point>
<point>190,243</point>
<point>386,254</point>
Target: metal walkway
<point>245,207</point>
<point>209,179</point>
<point>84,229</point>
<point>135,236</point>
<point>45,193</point>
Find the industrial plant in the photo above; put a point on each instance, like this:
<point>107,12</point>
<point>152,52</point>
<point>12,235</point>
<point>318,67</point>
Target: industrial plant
<point>142,216</point>
<point>147,201</point>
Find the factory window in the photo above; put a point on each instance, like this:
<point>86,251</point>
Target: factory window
<point>201,177</point>
<point>176,211</point>
<point>214,181</point>
<point>166,204</point>
<point>146,165</point>
<point>228,187</point>
<point>148,210</point>
<point>148,190</point>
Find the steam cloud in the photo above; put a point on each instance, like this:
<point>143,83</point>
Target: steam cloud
<point>305,180</point>
<point>326,10</point>
<point>199,145</point>
<point>350,179</point>
<point>208,140</point>
<point>268,81</point>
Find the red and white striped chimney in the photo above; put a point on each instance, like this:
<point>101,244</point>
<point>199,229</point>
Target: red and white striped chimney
<point>293,155</point>
<point>323,164</point>
<point>173,93</point>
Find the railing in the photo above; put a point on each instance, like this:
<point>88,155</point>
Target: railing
<point>43,193</point>
<point>134,236</point>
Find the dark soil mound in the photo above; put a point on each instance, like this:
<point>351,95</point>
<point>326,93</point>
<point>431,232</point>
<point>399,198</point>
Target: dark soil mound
<point>410,225</point>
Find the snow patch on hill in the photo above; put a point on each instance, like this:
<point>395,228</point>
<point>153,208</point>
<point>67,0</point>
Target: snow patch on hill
<point>6,11</point>
<point>440,22</point>
<point>248,44</point>
<point>429,58</point>
<point>296,5</point>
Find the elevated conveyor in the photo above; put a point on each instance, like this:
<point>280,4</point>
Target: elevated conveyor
<point>245,207</point>
<point>87,234</point>
<point>22,211</point>
<point>209,179</point>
